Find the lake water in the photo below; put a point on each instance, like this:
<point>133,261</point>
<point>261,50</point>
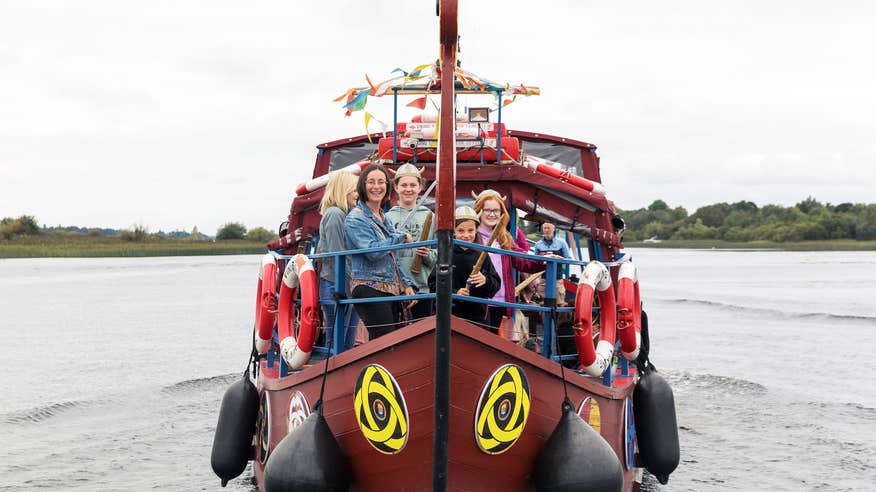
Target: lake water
<point>116,367</point>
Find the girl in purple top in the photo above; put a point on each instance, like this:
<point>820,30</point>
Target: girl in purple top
<point>491,208</point>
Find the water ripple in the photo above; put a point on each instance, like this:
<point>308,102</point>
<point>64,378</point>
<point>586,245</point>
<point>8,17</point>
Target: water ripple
<point>774,313</point>
<point>39,414</point>
<point>201,383</point>
<point>712,382</point>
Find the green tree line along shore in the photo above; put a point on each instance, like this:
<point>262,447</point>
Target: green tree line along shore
<point>23,237</point>
<point>809,224</point>
<point>744,222</point>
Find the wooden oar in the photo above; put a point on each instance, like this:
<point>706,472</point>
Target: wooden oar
<point>499,226</point>
<point>424,234</point>
<point>529,280</point>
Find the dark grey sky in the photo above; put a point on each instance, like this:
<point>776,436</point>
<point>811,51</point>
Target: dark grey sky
<point>176,114</point>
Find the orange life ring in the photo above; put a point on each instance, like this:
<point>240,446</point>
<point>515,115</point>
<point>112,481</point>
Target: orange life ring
<point>299,276</point>
<point>595,279</point>
<point>266,301</point>
<point>629,310</point>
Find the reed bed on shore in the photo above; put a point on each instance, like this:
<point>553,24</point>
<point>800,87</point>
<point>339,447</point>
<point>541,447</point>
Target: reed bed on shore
<point>89,247</point>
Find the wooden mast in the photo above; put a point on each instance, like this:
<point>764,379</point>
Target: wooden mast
<point>445,199</point>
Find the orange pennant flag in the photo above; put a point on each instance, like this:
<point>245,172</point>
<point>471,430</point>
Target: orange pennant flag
<point>346,94</point>
<point>419,102</point>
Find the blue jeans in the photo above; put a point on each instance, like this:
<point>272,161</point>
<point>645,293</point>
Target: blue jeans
<point>351,318</point>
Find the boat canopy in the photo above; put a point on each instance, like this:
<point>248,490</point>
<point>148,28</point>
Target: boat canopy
<point>488,155</point>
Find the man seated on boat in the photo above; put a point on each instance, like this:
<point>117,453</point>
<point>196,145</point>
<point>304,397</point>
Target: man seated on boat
<point>415,220</point>
<point>465,281</point>
<point>551,245</point>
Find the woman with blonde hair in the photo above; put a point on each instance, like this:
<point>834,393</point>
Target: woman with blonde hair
<point>490,206</point>
<point>339,197</point>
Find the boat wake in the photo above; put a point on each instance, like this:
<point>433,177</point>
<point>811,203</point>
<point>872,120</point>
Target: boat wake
<point>774,313</point>
<point>200,384</point>
<point>769,431</point>
<point>838,410</point>
<point>713,383</point>
<point>188,388</point>
<point>46,412</point>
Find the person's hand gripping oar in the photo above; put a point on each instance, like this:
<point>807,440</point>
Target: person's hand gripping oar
<point>477,266</point>
<point>400,226</point>
<point>422,251</point>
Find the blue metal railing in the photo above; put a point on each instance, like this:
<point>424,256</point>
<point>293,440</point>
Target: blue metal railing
<point>550,312</point>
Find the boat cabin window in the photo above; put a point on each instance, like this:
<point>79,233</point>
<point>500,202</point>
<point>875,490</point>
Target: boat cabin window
<point>349,154</point>
<point>569,157</point>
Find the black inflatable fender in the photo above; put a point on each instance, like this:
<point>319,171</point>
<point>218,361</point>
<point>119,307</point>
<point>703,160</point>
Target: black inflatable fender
<point>656,425</point>
<point>575,457</point>
<point>308,459</point>
<point>232,442</point>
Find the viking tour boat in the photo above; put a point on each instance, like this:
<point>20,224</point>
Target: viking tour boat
<point>442,403</point>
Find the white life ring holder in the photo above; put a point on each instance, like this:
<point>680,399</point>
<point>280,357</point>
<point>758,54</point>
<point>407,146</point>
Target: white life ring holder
<point>595,279</point>
<point>299,276</point>
<point>266,294</point>
<point>629,310</point>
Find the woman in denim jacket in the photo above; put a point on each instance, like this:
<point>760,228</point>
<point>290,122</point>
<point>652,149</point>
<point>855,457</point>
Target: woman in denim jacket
<point>376,274</point>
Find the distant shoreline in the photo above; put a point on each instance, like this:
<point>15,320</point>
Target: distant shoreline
<point>82,247</point>
<point>829,245</point>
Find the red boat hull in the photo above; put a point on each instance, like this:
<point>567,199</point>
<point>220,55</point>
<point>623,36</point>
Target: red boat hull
<point>408,355</point>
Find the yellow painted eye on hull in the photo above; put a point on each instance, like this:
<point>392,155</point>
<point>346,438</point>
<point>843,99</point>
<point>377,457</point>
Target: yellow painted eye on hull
<point>381,410</point>
<point>502,410</point>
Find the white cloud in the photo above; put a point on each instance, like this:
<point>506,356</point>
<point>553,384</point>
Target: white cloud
<point>175,114</point>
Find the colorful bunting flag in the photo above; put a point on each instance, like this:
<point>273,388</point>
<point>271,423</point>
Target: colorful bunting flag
<point>358,102</point>
<point>355,99</point>
<point>368,118</point>
<point>347,94</point>
<point>419,102</point>
<point>383,87</point>
<point>415,74</point>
